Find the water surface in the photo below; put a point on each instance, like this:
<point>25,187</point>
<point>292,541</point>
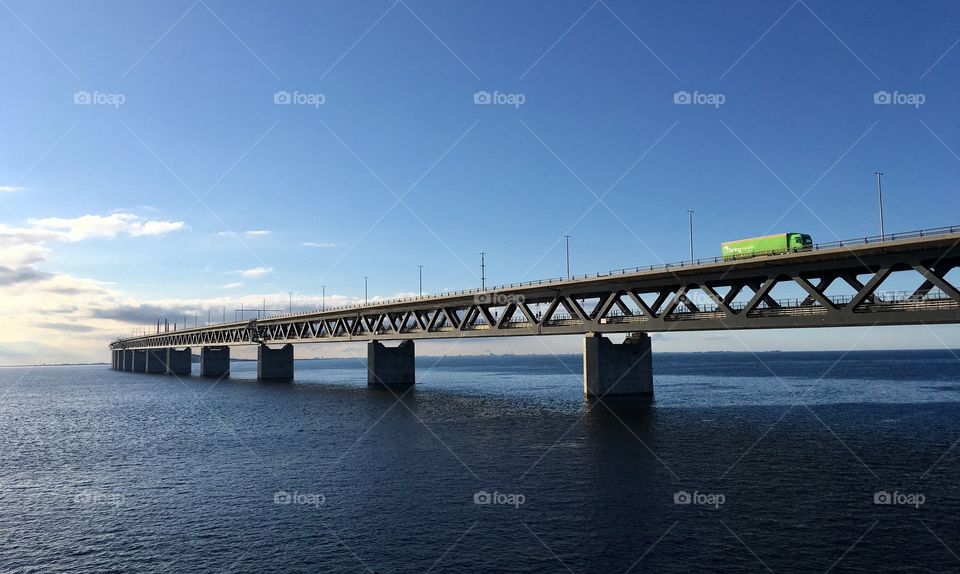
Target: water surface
<point>783,453</point>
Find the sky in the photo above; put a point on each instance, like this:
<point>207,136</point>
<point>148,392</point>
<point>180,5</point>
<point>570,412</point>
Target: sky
<point>167,158</point>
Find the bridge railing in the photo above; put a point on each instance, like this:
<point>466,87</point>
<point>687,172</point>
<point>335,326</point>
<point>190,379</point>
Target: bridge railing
<point>934,296</point>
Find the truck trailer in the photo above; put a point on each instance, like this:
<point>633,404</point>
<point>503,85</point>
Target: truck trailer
<point>767,245</point>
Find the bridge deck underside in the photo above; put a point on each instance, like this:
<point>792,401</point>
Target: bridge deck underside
<point>732,295</point>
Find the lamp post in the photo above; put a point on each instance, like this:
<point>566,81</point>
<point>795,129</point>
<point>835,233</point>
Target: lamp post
<point>365,289</point>
<point>567,237</point>
<point>483,270</point>
<point>421,279</point>
<point>323,297</point>
<point>879,175</point>
<point>290,307</point>
<point>690,224</point>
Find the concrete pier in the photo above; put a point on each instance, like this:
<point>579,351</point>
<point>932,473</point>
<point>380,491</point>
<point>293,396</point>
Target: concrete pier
<point>156,361</point>
<point>179,362</point>
<point>215,362</point>
<point>610,369</point>
<point>139,362</point>
<point>113,359</point>
<point>275,364</point>
<point>127,360</point>
<point>391,365</point>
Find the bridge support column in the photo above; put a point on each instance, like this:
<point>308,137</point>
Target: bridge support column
<point>113,359</point>
<point>612,369</point>
<point>179,362</point>
<point>391,365</point>
<point>127,360</point>
<point>139,362</point>
<point>156,361</point>
<point>215,362</point>
<point>275,364</point>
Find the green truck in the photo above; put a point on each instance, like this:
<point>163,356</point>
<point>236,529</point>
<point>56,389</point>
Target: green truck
<point>767,245</point>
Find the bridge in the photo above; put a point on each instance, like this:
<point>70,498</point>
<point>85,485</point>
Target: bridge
<point>707,294</point>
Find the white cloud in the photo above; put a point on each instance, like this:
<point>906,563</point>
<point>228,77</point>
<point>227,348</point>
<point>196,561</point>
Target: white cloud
<point>15,254</point>
<point>11,235</point>
<point>101,226</point>
<point>319,245</point>
<point>256,272</point>
<point>155,228</point>
<point>9,188</point>
<point>232,286</point>
<point>23,248</point>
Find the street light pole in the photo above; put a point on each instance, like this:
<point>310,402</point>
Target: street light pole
<point>879,175</point>
<point>365,289</point>
<point>483,270</point>
<point>290,309</point>
<point>421,279</point>
<point>323,297</point>
<point>690,222</point>
<point>567,237</point>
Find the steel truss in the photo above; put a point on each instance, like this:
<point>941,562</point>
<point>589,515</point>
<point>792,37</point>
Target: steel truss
<point>729,295</point>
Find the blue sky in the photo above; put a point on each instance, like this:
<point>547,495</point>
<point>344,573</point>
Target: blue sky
<point>214,189</point>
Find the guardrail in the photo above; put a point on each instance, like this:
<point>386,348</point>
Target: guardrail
<point>887,298</point>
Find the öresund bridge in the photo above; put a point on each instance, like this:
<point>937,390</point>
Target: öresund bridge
<point>711,294</point>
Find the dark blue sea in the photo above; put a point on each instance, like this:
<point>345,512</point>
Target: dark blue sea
<point>778,462</point>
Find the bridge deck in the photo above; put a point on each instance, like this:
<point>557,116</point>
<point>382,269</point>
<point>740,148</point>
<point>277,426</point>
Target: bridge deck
<point>706,295</point>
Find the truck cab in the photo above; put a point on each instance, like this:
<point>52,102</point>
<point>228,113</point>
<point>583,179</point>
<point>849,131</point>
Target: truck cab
<point>800,242</point>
